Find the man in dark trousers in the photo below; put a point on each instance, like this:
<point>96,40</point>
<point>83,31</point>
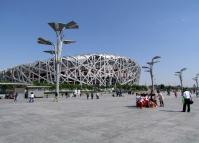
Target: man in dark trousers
<point>87,95</point>
<point>187,100</point>
<point>92,95</point>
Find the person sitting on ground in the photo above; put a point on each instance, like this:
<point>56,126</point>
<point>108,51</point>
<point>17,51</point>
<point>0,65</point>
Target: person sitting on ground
<point>137,97</point>
<point>153,100</point>
<point>152,104</point>
<point>146,100</point>
<point>153,97</point>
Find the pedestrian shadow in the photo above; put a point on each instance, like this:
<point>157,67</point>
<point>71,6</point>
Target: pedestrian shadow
<point>170,110</point>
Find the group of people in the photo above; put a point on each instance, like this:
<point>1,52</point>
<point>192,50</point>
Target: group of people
<point>30,97</point>
<point>92,95</point>
<point>149,100</point>
<point>142,100</point>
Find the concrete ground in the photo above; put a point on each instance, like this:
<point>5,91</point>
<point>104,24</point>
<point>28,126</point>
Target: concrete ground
<point>107,120</point>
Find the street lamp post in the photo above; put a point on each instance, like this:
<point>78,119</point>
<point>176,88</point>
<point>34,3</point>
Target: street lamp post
<point>179,74</point>
<point>150,69</point>
<point>196,80</point>
<point>52,52</point>
<point>59,30</point>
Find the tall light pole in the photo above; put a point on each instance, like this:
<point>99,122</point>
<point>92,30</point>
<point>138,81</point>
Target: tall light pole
<point>52,52</point>
<point>59,30</point>
<point>150,69</point>
<point>179,74</point>
<point>196,80</point>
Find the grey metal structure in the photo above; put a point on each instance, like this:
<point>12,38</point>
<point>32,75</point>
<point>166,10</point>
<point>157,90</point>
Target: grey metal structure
<point>196,80</point>
<point>179,74</point>
<point>90,69</point>
<point>150,69</point>
<point>57,52</point>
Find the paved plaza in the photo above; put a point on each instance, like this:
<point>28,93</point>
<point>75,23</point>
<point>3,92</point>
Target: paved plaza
<point>107,120</point>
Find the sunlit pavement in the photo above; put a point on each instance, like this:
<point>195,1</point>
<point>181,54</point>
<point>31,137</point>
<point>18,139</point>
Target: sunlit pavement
<point>107,120</point>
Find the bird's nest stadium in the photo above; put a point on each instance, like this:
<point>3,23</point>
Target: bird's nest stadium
<point>90,69</point>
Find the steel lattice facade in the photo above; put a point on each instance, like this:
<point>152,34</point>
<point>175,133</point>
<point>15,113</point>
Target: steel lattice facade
<point>91,69</point>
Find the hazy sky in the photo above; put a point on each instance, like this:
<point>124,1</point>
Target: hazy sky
<point>138,29</point>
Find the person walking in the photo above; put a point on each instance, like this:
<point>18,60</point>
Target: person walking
<point>66,95</point>
<point>92,95</point>
<point>15,97</point>
<point>161,98</point>
<point>56,97</point>
<point>32,96</point>
<point>29,97</point>
<point>187,100</point>
<point>168,92</point>
<point>175,93</point>
<point>97,96</point>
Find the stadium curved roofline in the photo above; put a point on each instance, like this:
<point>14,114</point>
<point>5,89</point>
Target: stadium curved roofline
<point>91,69</point>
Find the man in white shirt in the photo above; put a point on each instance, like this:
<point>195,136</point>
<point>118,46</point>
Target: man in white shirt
<point>161,98</point>
<point>187,99</point>
<point>32,97</point>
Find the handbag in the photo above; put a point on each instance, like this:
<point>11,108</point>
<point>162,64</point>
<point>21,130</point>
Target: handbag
<point>190,101</point>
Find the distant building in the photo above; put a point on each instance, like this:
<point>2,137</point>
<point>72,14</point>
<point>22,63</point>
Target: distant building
<point>91,69</point>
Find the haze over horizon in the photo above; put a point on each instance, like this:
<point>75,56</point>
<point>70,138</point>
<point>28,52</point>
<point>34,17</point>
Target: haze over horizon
<point>135,29</point>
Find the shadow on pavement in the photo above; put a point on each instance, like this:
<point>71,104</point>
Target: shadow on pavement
<point>170,110</point>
